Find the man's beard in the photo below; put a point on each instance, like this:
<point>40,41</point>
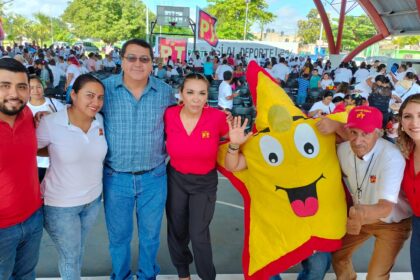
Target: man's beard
<point>13,111</point>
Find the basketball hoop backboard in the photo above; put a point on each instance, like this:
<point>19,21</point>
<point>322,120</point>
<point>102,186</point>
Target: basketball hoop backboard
<point>173,16</point>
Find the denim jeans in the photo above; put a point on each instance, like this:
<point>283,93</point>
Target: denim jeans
<point>146,194</point>
<point>19,248</point>
<point>313,268</point>
<point>415,248</point>
<point>68,228</point>
<point>301,98</point>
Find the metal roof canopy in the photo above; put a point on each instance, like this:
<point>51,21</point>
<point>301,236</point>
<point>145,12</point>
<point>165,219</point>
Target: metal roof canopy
<point>390,17</point>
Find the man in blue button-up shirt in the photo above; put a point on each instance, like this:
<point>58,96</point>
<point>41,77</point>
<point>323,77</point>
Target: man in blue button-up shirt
<point>135,173</point>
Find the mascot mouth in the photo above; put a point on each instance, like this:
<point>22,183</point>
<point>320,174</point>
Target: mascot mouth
<point>303,200</point>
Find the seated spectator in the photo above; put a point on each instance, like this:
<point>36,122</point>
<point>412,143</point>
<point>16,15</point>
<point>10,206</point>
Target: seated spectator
<point>314,81</point>
<point>326,82</point>
<point>406,87</point>
<point>160,72</point>
<point>381,96</point>
<point>170,71</point>
<point>323,107</point>
<point>108,64</point>
<point>342,90</point>
<point>362,73</point>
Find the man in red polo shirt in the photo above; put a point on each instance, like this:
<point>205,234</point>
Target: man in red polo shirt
<point>21,216</point>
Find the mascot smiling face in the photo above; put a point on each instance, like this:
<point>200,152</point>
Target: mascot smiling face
<point>294,197</point>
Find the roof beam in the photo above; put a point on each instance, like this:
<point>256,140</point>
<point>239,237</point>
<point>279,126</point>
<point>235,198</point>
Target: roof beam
<point>341,25</point>
<point>327,26</point>
<point>356,51</point>
<point>418,6</point>
<point>399,13</point>
<point>375,17</point>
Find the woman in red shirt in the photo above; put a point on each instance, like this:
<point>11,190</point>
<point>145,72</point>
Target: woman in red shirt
<point>193,131</point>
<point>409,142</point>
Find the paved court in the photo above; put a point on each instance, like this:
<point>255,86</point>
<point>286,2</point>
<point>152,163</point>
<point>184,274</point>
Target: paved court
<point>227,238</point>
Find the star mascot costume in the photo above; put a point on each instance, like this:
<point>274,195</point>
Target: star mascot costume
<point>292,189</point>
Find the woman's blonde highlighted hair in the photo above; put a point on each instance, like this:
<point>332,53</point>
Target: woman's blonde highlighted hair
<point>404,141</point>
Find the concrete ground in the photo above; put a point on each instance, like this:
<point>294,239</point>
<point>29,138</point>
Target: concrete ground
<point>227,240</point>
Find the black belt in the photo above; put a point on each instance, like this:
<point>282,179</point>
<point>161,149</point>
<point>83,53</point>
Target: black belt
<point>131,172</point>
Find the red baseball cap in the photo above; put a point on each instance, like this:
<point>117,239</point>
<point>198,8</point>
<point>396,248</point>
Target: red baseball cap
<point>366,118</point>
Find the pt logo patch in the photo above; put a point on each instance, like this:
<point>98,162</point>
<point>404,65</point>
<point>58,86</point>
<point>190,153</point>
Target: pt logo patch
<point>372,179</point>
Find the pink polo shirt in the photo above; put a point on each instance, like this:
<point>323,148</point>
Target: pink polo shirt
<point>195,153</point>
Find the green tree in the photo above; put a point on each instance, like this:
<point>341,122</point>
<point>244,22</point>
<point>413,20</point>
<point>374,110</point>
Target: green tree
<point>308,29</point>
<point>41,30</point>
<point>109,20</point>
<point>16,27</point>
<point>230,16</point>
<point>262,22</point>
<point>357,29</point>
<point>403,41</point>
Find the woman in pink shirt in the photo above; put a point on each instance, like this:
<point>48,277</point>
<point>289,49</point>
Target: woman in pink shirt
<point>193,131</point>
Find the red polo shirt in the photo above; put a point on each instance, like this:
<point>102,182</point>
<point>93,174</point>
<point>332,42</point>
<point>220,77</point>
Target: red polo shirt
<point>20,195</point>
<point>195,153</point>
<point>411,186</point>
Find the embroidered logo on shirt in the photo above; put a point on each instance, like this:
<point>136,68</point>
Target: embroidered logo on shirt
<point>101,132</point>
<point>205,134</point>
<point>360,115</point>
<point>372,179</point>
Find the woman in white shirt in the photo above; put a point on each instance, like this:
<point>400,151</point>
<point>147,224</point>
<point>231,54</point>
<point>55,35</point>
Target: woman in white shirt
<point>325,81</point>
<point>323,107</point>
<point>39,103</point>
<point>73,183</point>
<point>74,70</point>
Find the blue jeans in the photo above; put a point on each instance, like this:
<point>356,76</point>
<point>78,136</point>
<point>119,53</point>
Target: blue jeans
<point>415,247</point>
<point>314,268</point>
<point>301,98</point>
<point>68,228</point>
<point>19,248</point>
<point>146,194</point>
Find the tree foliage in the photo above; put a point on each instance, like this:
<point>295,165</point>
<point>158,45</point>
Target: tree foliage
<point>231,15</point>
<point>357,29</point>
<point>42,29</point>
<point>109,20</point>
<point>403,41</point>
<point>309,29</point>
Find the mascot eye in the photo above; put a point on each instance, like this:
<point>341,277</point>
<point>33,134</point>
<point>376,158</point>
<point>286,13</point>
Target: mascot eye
<point>306,141</point>
<point>271,150</point>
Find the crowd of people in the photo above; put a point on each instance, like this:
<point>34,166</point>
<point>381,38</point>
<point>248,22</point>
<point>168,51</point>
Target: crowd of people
<point>113,138</point>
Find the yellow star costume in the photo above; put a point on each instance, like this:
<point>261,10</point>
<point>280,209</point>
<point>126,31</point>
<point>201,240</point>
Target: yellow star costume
<point>292,189</point>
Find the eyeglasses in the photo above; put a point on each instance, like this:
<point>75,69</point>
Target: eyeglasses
<point>143,59</point>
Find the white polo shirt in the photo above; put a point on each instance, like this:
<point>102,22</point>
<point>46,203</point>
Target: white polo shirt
<point>319,105</point>
<point>76,160</point>
<point>280,71</point>
<point>225,90</point>
<point>222,69</point>
<point>379,175</point>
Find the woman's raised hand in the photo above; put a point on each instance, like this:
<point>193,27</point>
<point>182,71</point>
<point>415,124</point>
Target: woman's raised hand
<point>237,133</point>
